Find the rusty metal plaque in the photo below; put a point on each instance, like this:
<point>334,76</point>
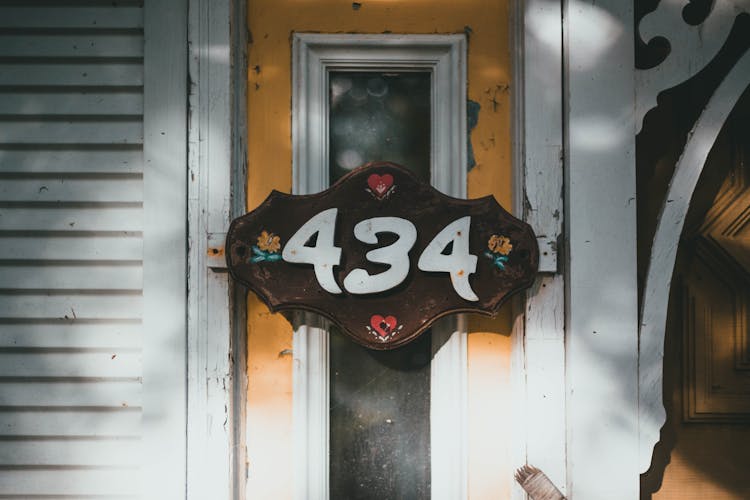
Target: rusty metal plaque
<point>382,254</point>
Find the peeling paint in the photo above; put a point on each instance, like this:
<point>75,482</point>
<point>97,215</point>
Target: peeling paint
<point>472,118</point>
<point>492,94</point>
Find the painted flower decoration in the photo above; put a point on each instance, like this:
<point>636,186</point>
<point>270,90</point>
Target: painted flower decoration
<point>267,248</point>
<point>499,247</point>
<point>500,244</point>
<point>269,242</point>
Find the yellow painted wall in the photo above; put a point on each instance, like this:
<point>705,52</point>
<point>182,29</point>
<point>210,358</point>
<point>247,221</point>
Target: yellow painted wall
<point>271,23</point>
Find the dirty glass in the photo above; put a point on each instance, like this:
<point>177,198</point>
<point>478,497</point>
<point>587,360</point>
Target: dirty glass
<point>379,117</point>
<point>379,401</point>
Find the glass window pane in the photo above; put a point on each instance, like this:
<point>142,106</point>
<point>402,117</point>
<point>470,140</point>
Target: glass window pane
<point>380,420</point>
<point>379,401</point>
<point>379,117</point>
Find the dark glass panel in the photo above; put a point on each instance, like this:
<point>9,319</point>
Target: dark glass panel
<point>379,117</point>
<point>380,420</point>
<point>380,401</point>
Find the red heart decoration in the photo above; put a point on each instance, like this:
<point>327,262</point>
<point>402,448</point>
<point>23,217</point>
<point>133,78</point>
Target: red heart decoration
<point>383,326</point>
<point>380,184</point>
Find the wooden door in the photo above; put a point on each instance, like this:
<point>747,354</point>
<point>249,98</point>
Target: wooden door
<point>705,444</point>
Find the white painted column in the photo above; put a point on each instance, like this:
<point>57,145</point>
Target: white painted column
<point>601,279</point>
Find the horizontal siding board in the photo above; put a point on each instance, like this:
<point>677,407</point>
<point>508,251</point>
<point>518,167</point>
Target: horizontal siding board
<point>45,189</point>
<point>52,422</point>
<point>79,394</point>
<point>71,17</point>
<point>72,277</point>
<point>98,218</point>
<point>71,307</point>
<point>118,246</point>
<point>94,452</point>
<point>71,334</point>
<point>71,161</point>
<point>68,482</point>
<point>71,45</point>
<point>71,103</point>
<point>70,364</point>
<point>67,74</point>
<point>71,132</point>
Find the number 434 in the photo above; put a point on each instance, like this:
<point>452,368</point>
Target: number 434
<point>324,255</point>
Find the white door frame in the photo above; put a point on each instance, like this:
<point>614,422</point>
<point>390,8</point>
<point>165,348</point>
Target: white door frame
<point>216,326</point>
<point>538,340</point>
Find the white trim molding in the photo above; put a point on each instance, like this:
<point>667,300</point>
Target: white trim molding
<point>693,47</point>
<point>215,395</point>
<point>445,57</point>
<point>538,361</point>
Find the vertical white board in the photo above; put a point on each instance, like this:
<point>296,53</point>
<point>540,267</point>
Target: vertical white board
<point>601,303</point>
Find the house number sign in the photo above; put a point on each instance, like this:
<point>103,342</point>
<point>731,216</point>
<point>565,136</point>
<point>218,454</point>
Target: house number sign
<point>381,254</point>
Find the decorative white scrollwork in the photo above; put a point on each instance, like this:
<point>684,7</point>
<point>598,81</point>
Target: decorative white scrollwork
<point>692,48</point>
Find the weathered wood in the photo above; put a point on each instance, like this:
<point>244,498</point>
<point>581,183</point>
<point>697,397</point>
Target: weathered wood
<point>108,363</point>
<point>29,74</point>
<point>539,155</point>
<point>54,422</point>
<point>71,131</point>
<point>211,444</point>
<point>50,159</point>
<point>71,189</point>
<point>70,307</point>
<point>72,334</point>
<point>72,45</point>
<point>113,394</point>
<point>70,482</point>
<point>104,17</point>
<point>98,452</point>
<point>92,276</point>
<point>116,246</point>
<point>94,103</point>
<point>104,217</point>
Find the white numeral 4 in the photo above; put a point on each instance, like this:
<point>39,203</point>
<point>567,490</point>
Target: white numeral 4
<point>324,255</point>
<point>459,264</point>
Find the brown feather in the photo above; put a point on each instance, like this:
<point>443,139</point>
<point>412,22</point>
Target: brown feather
<point>536,484</point>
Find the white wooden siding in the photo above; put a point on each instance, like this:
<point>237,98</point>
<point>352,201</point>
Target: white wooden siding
<point>71,248</point>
